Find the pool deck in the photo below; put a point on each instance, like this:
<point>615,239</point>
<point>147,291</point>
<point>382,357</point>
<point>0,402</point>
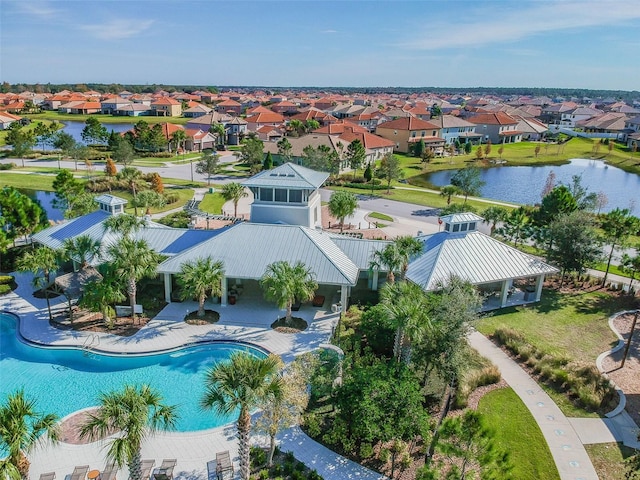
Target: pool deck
<point>247,321</point>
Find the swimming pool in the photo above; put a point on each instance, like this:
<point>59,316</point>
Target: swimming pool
<point>64,380</point>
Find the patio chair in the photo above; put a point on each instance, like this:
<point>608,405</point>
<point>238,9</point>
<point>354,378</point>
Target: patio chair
<point>224,467</point>
<point>79,473</point>
<point>109,472</point>
<point>165,471</point>
<point>48,476</point>
<point>145,469</point>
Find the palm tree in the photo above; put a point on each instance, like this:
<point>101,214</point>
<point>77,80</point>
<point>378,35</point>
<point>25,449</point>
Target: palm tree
<point>133,260</point>
<point>123,224</point>
<point>21,429</point>
<point>132,179</point>
<point>102,295</point>
<point>178,138</point>
<point>449,191</point>
<point>284,283</point>
<point>82,249</point>
<point>408,247</point>
<point>241,384</point>
<point>42,262</point>
<point>149,199</point>
<point>200,278</point>
<point>220,133</point>
<point>389,259</point>
<point>493,215</point>
<point>341,205</point>
<point>233,192</point>
<point>135,412</point>
<point>406,305</point>
<point>631,265</point>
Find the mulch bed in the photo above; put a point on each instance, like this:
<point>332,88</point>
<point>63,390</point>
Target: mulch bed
<point>210,317</point>
<point>70,428</point>
<point>295,325</point>
<point>123,326</point>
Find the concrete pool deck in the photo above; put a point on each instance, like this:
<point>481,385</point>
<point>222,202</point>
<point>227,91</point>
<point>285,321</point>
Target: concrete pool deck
<point>247,321</point>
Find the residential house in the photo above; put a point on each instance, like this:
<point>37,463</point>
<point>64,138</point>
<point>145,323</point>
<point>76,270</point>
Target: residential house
<point>230,107</point>
<point>375,146</point>
<point>454,129</point>
<point>236,130</point>
<point>571,118</point>
<point>80,107</point>
<point>404,132</point>
<point>267,133</point>
<point>110,105</point>
<point>531,128</point>
<point>285,108</point>
<point>198,140</point>
<point>196,111</point>
<point>6,119</point>
<point>205,122</point>
<point>271,119</point>
<point>166,107</point>
<point>334,144</point>
<point>316,114</point>
<point>133,110</point>
<point>497,127</point>
<point>611,125</point>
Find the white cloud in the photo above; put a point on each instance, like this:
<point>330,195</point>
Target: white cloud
<point>117,29</point>
<point>508,25</point>
<point>37,9</point>
<point>329,31</point>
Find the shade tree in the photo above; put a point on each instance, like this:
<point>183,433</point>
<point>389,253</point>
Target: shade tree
<point>469,181</point>
<point>617,226</point>
<point>389,169</point>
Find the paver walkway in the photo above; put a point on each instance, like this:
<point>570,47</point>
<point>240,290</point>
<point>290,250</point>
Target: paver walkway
<point>566,447</point>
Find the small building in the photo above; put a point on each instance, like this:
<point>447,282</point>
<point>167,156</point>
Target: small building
<point>504,275</point>
<point>288,194</point>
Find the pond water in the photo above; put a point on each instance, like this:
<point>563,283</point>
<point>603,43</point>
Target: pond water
<point>46,202</point>
<point>524,185</point>
<point>75,130</point>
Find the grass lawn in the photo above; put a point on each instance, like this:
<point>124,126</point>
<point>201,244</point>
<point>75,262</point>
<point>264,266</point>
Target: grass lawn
<point>212,203</point>
<point>33,181</point>
<point>608,458</point>
<point>68,117</point>
<point>418,197</point>
<point>571,325</point>
<point>518,433</point>
<point>381,216</point>
<point>184,195</point>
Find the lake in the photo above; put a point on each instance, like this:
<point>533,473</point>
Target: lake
<point>75,130</point>
<point>524,185</point>
<point>46,202</point>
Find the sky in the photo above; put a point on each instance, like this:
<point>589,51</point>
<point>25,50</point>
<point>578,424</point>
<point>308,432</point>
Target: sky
<point>298,43</point>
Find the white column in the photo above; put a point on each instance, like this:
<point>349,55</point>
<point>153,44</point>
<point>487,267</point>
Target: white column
<point>223,297</point>
<point>167,287</point>
<point>504,293</point>
<point>344,295</point>
<point>539,283</point>
<point>374,284</point>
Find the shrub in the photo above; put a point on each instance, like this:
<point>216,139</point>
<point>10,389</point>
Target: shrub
<point>263,474</point>
<point>6,279</point>
<point>171,197</point>
<point>7,166</point>
<point>258,457</point>
<point>313,475</point>
<point>4,289</point>
<point>366,450</point>
<point>313,425</point>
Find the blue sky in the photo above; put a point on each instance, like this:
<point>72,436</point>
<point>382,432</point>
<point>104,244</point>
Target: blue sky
<point>568,44</point>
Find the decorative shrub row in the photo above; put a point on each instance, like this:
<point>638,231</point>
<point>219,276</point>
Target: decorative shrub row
<point>6,279</point>
<point>581,382</point>
<point>475,379</point>
<point>7,166</point>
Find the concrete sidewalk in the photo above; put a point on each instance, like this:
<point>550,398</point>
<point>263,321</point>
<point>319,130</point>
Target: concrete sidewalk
<point>564,442</point>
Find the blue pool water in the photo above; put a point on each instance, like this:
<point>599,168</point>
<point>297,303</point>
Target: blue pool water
<point>65,380</point>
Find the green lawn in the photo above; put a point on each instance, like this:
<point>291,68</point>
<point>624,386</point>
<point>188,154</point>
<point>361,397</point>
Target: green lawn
<point>381,216</point>
<point>33,181</point>
<point>608,458</point>
<point>518,433</point>
<point>184,195</point>
<point>212,203</point>
<point>69,117</point>
<point>570,325</point>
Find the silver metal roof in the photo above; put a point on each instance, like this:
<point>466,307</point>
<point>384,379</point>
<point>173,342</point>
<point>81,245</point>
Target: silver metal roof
<point>247,249</point>
<point>358,250</point>
<point>472,256</point>
<point>110,200</point>
<point>462,218</point>
<point>288,175</point>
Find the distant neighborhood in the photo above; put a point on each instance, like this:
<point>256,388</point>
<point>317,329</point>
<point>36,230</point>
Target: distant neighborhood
<point>383,123</point>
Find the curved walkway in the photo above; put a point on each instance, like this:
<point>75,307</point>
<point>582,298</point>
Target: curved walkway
<point>566,437</point>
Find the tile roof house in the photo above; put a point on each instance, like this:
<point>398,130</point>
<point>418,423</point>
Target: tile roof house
<point>6,119</point>
<point>110,105</point>
<point>166,107</point>
<point>406,131</point>
<point>197,110</point>
<point>454,128</point>
<point>497,127</point>
<point>298,144</point>
<point>258,120</point>
<point>229,106</point>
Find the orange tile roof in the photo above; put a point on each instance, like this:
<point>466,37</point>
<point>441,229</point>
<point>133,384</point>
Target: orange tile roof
<point>409,123</point>
<point>270,117</point>
<point>369,140</point>
<point>165,101</point>
<point>495,118</point>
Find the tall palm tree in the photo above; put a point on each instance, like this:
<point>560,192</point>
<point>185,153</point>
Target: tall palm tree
<point>408,247</point>
<point>42,262</point>
<point>341,205</point>
<point>21,429</point>
<point>133,260</point>
<point>406,306</point>
<point>103,294</point>
<point>123,224</point>
<point>233,192</point>
<point>178,138</point>
<point>220,133</point>
<point>241,384</point>
<point>284,283</point>
<point>132,178</point>
<point>82,249</point>
<point>200,278</point>
<point>149,199</point>
<point>135,412</point>
<point>449,191</point>
<point>389,259</point>
<point>493,215</point>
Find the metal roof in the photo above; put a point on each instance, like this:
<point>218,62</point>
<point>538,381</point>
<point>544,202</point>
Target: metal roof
<point>110,200</point>
<point>288,175</point>
<point>358,250</point>
<point>472,256</point>
<point>247,249</point>
<point>462,218</point>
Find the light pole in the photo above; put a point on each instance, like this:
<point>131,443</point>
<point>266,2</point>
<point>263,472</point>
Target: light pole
<point>191,165</point>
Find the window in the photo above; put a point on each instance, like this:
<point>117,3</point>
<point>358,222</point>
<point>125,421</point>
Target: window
<point>413,134</point>
<point>472,226</point>
<point>266,194</point>
<point>447,227</point>
<point>280,195</point>
<point>295,196</point>
<point>433,134</point>
<point>395,132</point>
<point>422,133</point>
<point>456,227</point>
<point>463,227</point>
